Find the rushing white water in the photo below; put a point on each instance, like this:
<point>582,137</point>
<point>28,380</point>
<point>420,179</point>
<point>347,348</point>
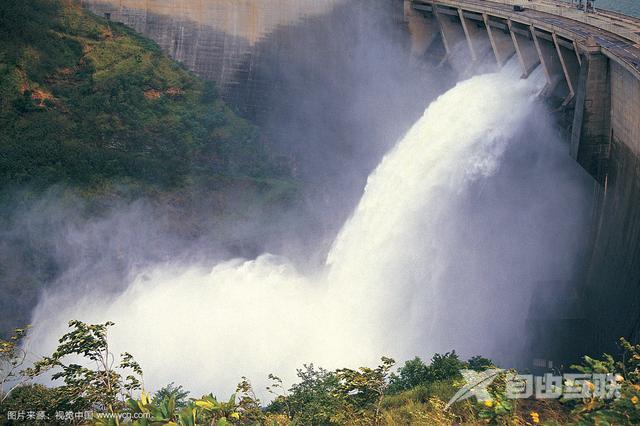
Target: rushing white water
<point>455,226</point>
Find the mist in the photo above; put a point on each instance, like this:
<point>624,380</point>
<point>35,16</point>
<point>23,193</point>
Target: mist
<point>342,90</point>
<point>464,215</point>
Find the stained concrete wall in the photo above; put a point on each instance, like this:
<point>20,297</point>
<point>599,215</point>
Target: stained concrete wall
<point>550,62</point>
<point>422,32</point>
<point>614,276</point>
<point>591,133</point>
<point>220,40</point>
<point>625,108</point>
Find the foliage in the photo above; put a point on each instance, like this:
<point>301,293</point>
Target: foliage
<point>162,411</point>
<point>625,409</point>
<point>479,363</point>
<point>12,359</point>
<point>443,367</point>
<point>320,397</point>
<point>178,394</point>
<point>499,408</point>
<point>38,398</point>
<point>249,406</point>
<point>413,373</point>
<point>313,400</point>
<point>101,385</point>
<point>362,392</point>
<point>88,103</point>
<point>218,412</point>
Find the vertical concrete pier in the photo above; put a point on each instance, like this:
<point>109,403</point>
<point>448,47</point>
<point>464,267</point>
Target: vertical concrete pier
<point>549,60</point>
<point>570,67</point>
<point>500,39</point>
<point>591,131</point>
<point>423,32</point>
<point>459,53</point>
<point>525,48</point>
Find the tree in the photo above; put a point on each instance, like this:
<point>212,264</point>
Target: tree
<point>281,402</point>
<point>248,403</point>
<point>102,386</point>
<point>313,400</point>
<point>480,363</point>
<point>414,372</point>
<point>12,359</point>
<point>445,367</point>
<point>363,390</point>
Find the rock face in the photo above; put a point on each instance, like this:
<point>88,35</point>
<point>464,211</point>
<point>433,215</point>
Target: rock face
<point>220,40</point>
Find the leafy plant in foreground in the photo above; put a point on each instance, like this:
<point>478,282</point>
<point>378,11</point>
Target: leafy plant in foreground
<point>101,385</point>
<point>362,392</point>
<point>625,407</point>
<point>218,413</point>
<point>178,394</point>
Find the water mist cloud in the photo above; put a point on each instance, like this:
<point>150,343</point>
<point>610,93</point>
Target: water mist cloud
<point>453,230</point>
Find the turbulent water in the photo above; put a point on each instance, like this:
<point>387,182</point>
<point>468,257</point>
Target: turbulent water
<point>477,203</point>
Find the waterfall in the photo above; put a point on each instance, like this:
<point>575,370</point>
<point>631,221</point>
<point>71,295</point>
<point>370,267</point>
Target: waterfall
<point>476,203</point>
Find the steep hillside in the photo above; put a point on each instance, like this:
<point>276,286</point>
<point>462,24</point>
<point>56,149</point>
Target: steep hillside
<point>87,102</point>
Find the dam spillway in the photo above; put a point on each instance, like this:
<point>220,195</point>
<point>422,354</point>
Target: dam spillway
<point>591,63</point>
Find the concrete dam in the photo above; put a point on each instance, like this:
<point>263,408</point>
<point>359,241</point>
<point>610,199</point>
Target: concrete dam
<point>591,62</point>
<point>591,65</point>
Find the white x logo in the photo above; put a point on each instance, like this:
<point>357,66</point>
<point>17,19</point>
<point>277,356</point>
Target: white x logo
<point>477,383</point>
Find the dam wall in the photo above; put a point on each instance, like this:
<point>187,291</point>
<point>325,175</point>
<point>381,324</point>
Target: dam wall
<point>592,67</point>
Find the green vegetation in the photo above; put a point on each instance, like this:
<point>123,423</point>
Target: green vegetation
<point>102,385</point>
<point>89,103</point>
<point>101,114</point>
<point>12,359</point>
<point>416,395</point>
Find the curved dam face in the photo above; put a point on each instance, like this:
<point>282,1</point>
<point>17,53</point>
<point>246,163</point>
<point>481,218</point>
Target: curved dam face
<point>591,66</point>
